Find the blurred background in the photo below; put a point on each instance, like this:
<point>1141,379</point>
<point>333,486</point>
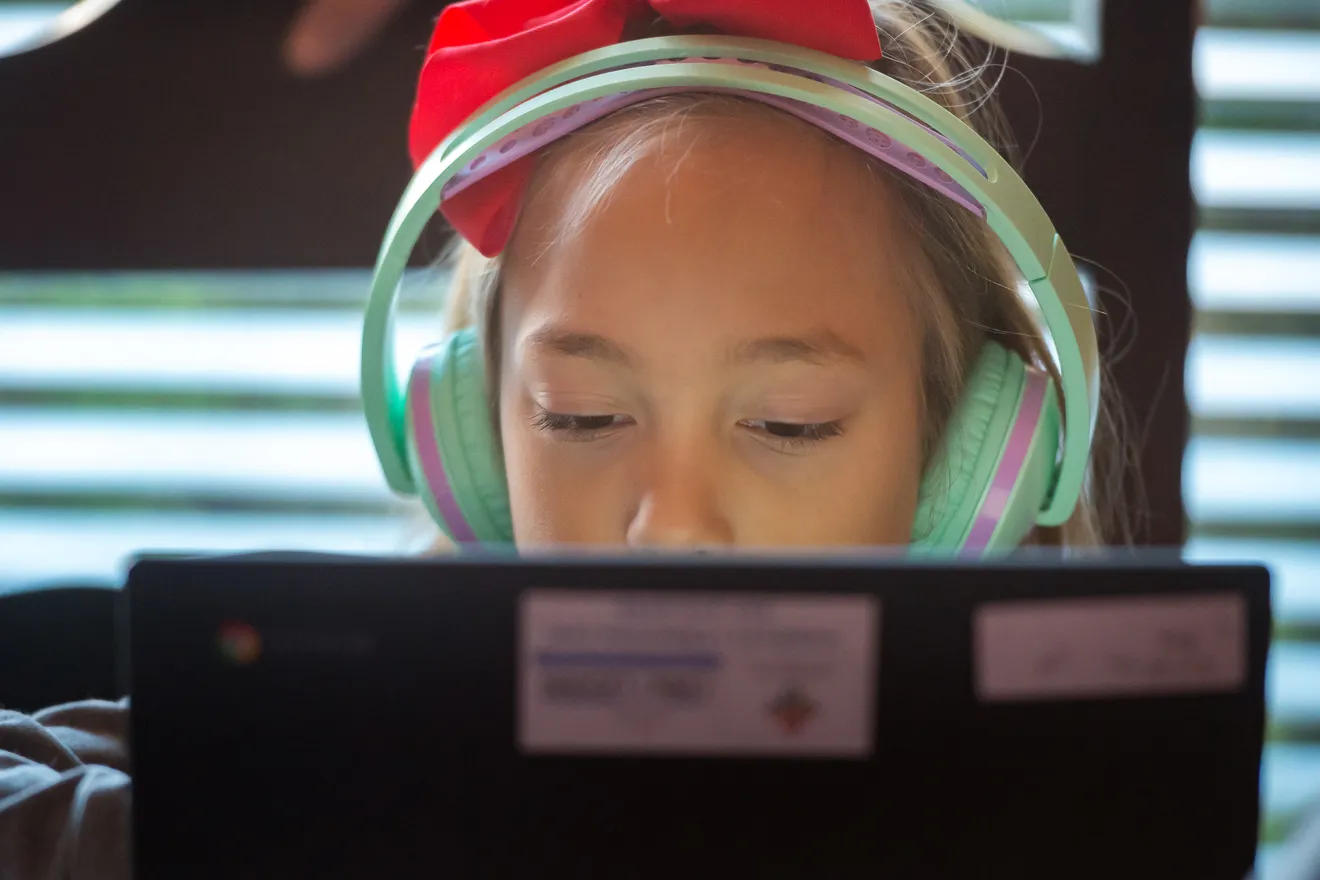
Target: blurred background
<point>188,214</point>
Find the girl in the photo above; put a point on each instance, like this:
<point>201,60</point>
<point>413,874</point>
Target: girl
<point>708,318</point>
<point>701,321</point>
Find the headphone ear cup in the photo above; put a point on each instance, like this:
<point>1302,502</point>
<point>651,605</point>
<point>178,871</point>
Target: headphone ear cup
<point>1010,512</point>
<point>995,467</point>
<point>452,448</point>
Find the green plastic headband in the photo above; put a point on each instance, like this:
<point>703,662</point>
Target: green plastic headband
<point>1011,210</point>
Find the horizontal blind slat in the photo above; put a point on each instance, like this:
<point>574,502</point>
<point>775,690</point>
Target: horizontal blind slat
<point>1256,170</point>
<point>1256,65</point>
<point>1234,376</point>
<point>1254,272</point>
<point>41,546</point>
<point>276,352</point>
<point>1252,479</point>
<point>254,455</point>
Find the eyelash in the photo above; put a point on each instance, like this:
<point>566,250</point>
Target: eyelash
<point>579,428</point>
<point>576,428</point>
<point>804,436</point>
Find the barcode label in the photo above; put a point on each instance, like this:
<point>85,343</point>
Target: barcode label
<point>689,673</point>
<point>1080,648</point>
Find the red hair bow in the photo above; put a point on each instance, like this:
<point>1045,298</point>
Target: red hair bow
<point>481,47</point>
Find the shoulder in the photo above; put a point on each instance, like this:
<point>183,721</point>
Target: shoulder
<point>87,732</point>
<point>65,791</point>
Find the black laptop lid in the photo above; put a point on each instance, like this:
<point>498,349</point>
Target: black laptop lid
<point>352,718</point>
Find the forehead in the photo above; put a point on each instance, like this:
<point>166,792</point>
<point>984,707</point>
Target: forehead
<point>750,218</point>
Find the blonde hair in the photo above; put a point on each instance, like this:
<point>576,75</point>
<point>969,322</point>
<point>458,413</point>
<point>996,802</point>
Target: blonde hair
<point>964,288</point>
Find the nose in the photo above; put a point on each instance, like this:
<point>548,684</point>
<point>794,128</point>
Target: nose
<point>680,509</point>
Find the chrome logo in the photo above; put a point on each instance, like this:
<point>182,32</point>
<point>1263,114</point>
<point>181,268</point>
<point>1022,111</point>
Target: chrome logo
<point>239,643</point>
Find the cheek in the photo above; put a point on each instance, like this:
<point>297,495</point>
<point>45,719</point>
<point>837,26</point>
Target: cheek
<point>866,495</point>
<point>888,504</point>
<point>892,459</point>
<point>554,496</point>
<point>527,476</point>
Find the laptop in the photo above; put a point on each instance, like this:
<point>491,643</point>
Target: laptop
<point>695,717</point>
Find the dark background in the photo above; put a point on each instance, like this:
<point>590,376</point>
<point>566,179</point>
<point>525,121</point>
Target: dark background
<point>169,136</point>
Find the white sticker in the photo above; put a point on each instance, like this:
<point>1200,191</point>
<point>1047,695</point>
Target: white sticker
<point>697,673</point>
<point>1078,648</point>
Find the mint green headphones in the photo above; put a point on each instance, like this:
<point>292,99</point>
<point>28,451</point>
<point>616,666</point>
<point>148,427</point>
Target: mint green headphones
<point>1003,468</point>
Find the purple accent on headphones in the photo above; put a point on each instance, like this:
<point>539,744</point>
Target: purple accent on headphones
<point>1011,463</point>
<point>428,451</point>
<point>535,135</point>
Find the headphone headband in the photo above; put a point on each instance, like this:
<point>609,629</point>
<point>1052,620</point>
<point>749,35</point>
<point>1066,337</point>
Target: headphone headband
<point>926,128</point>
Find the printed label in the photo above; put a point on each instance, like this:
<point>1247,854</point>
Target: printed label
<point>688,673</point>
<point>1076,648</point>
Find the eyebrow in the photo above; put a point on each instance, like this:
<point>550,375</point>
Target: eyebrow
<point>582,345</point>
<point>819,347</point>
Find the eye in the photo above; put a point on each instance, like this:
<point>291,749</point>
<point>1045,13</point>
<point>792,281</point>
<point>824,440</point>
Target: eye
<point>792,436</point>
<point>570,426</point>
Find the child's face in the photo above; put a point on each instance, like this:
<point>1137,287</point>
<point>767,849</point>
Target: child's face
<point>720,356</point>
